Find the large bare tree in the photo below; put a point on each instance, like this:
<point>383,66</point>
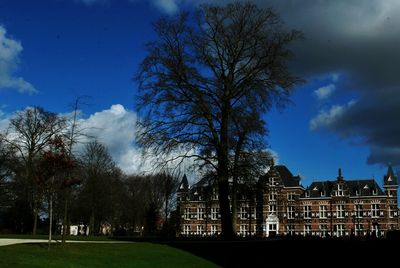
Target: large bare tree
<point>29,134</point>
<point>199,71</point>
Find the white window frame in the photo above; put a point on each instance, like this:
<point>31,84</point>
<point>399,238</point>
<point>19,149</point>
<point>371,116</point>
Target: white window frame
<point>244,212</point>
<point>290,212</point>
<point>307,211</point>
<point>200,229</point>
<point>340,211</point>
<point>358,209</point>
<point>375,210</point>
<point>307,229</point>
<point>272,209</point>
<point>323,211</point>
<point>186,229</point>
<point>214,229</point>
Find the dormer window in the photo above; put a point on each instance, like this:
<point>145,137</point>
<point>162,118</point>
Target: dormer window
<point>271,181</point>
<point>307,194</point>
<point>374,192</point>
<point>323,193</point>
<point>390,193</point>
<point>357,192</point>
<point>339,191</point>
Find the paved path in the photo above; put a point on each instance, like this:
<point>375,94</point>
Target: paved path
<point>12,241</point>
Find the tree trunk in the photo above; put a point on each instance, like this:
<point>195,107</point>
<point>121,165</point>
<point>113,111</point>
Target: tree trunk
<point>64,227</point>
<point>35,216</point>
<point>223,176</point>
<point>50,219</point>
<point>91,224</point>
<point>234,204</point>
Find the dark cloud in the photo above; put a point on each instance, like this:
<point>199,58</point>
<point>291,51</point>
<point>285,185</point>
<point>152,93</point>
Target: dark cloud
<point>359,40</point>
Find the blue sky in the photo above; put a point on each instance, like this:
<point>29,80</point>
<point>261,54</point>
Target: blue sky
<point>52,51</point>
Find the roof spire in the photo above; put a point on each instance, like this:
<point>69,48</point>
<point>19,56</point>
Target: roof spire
<point>339,177</point>
<point>390,170</point>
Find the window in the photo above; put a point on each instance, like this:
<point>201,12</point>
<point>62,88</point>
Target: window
<point>200,229</point>
<point>186,229</point>
<point>272,197</point>
<point>374,192</point>
<point>339,191</point>
<point>375,210</point>
<point>271,181</point>
<point>214,213</point>
<point>272,209</point>
<point>375,229</point>
<point>214,229</point>
<point>323,230</point>
<point>243,229</point>
<point>339,230</point>
<point>358,229</point>
<point>307,212</point>
<point>290,196</point>
<point>290,210</point>
<point>390,193</point>
<point>200,213</point>
<point>290,229</point>
<point>215,194</point>
<point>322,211</point>
<point>186,214</point>
<point>391,212</point>
<point>243,212</point>
<point>323,193</point>
<point>307,229</point>
<point>359,210</point>
<point>357,192</point>
<point>340,211</point>
<point>272,227</point>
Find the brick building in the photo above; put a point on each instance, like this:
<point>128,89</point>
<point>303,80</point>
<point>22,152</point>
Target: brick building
<point>279,205</point>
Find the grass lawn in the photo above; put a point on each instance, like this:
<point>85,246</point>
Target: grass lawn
<point>98,255</point>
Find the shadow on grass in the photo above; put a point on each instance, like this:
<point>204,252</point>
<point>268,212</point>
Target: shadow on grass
<point>312,252</point>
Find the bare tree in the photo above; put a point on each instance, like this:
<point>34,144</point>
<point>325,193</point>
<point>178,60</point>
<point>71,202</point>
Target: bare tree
<point>29,133</point>
<point>196,75</point>
<point>73,135</point>
<point>98,170</point>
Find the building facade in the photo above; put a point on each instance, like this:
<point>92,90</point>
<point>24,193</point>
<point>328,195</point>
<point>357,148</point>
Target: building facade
<point>279,205</point>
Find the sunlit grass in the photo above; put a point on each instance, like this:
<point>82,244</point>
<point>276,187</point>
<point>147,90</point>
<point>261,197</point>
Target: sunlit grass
<point>98,255</point>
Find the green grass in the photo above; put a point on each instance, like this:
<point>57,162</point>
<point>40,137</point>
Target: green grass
<point>98,255</point>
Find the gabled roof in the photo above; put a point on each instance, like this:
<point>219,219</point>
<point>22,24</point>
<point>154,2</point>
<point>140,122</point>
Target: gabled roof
<point>282,176</point>
<point>353,187</point>
<point>287,177</point>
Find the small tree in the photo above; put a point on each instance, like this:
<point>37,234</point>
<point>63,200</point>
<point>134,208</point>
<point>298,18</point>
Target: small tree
<point>53,167</point>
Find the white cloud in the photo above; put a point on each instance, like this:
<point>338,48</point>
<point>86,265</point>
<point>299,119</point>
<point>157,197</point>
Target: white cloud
<point>168,6</point>
<point>326,118</point>
<point>115,128</point>
<point>10,50</point>
<point>324,92</point>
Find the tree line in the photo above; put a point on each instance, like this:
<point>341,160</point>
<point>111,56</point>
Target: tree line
<point>46,183</point>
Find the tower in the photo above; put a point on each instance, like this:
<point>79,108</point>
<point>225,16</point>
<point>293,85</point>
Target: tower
<point>390,184</point>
